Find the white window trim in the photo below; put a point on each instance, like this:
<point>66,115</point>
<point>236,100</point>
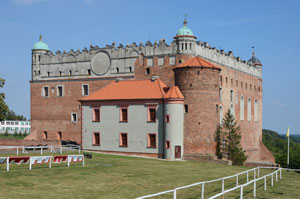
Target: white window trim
<point>63,90</point>
<point>72,117</point>
<point>43,91</point>
<point>82,88</point>
<point>242,108</point>
<point>249,109</point>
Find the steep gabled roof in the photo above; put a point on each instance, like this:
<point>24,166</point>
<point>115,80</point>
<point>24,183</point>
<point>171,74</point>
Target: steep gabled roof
<point>197,62</point>
<point>130,89</point>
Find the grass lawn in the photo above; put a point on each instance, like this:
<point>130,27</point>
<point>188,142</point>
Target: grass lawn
<point>112,176</point>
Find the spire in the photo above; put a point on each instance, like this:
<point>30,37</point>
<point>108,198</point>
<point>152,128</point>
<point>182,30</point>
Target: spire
<point>41,37</point>
<point>185,21</point>
<point>253,53</point>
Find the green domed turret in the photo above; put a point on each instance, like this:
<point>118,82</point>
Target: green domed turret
<point>40,45</point>
<point>185,30</point>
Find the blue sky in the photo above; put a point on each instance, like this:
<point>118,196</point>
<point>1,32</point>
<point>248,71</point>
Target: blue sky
<point>273,27</point>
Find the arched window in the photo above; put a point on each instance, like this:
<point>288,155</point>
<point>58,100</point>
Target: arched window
<point>255,110</point>
<point>190,46</point>
<point>221,114</point>
<point>232,109</point>
<point>249,109</point>
<point>242,108</point>
<point>185,46</point>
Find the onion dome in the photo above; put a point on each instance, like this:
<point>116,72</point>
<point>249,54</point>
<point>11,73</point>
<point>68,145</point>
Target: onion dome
<point>254,61</point>
<point>185,31</point>
<point>40,45</point>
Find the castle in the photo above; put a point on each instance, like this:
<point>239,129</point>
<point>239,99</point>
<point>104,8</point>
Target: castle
<point>210,80</point>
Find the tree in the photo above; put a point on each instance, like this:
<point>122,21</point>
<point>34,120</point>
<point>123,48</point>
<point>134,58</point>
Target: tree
<point>3,106</point>
<point>218,142</point>
<point>230,134</point>
<point>11,115</point>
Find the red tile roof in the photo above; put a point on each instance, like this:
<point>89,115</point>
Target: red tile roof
<point>197,62</point>
<point>135,89</point>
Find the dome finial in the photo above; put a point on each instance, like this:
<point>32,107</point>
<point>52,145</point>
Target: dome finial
<point>185,21</point>
<point>41,37</point>
<point>253,53</point>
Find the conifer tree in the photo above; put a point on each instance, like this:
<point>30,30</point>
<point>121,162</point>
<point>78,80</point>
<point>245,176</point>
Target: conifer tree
<point>3,106</point>
<point>232,137</point>
<point>218,142</point>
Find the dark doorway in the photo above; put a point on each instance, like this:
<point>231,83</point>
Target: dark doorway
<point>177,151</point>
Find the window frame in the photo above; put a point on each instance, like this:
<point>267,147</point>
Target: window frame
<point>72,117</point>
<point>167,144</point>
<point>95,140</point>
<point>149,118</point>
<point>83,90</point>
<point>62,91</point>
<point>123,107</point>
<point>121,144</point>
<point>94,114</point>
<point>149,140</point>
<point>44,93</point>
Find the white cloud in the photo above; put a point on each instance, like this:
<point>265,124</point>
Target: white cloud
<point>279,103</point>
<point>26,2</point>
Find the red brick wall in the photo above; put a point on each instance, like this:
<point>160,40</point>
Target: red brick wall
<point>200,87</point>
<point>6,142</point>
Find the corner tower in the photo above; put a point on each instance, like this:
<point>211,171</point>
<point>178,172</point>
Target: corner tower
<point>185,40</point>
<point>198,81</point>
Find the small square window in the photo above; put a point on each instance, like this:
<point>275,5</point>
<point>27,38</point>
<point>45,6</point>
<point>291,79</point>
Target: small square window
<point>74,117</point>
<point>96,115</point>
<point>124,114</point>
<point>167,118</point>
<point>85,90</point>
<point>123,140</point>
<point>152,140</point>
<point>96,139</point>
<point>147,71</point>
<point>167,144</point>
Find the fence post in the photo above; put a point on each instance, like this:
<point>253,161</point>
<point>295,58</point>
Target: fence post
<point>254,189</point>
<point>60,150</point>
<point>254,176</point>
<point>174,194</point>
<point>223,185</point>
<point>41,150</point>
<point>17,151</point>
<point>258,172</point>
<point>265,179</point>
<point>83,161</point>
<point>276,176</point>
<point>272,179</point>
<point>202,191</point>
<point>280,176</point>
<point>23,149</point>
<point>68,162</point>
<point>7,164</point>
<point>30,163</point>
<point>241,193</point>
<point>237,180</point>
<point>247,176</point>
<point>79,149</point>
<point>50,160</point>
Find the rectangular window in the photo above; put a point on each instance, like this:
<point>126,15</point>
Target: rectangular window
<point>96,139</point>
<point>45,135</point>
<point>152,140</point>
<point>152,114</point>
<point>85,90</point>
<point>147,71</point>
<point>231,95</point>
<point>186,108</point>
<point>96,115</point>
<point>220,94</point>
<point>74,117</point>
<point>46,91</point>
<point>123,140</point>
<point>167,118</point>
<point>124,114</point>
<point>60,91</point>
<point>167,144</point>
<point>89,71</point>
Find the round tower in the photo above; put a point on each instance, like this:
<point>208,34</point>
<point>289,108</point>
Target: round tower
<point>38,50</point>
<point>174,124</point>
<point>185,40</point>
<point>198,81</point>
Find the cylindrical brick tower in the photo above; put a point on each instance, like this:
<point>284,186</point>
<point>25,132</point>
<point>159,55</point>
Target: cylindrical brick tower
<point>198,80</point>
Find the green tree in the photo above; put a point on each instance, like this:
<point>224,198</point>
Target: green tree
<point>11,115</point>
<point>218,139</point>
<point>15,133</point>
<point>232,137</point>
<point>6,132</point>
<point>3,106</point>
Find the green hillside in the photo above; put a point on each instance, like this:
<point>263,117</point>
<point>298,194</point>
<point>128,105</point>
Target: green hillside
<point>277,144</point>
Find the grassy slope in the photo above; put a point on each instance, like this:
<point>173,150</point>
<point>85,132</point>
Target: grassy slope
<point>109,176</point>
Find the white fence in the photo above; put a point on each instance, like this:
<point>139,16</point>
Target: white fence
<point>256,171</point>
<point>39,149</point>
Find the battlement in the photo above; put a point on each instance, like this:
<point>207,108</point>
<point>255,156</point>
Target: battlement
<point>113,60</point>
